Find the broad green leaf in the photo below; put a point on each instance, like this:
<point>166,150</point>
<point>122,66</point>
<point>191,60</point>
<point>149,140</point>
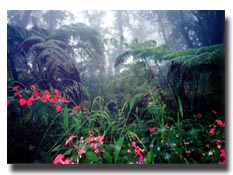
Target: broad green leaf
<point>68,152</point>
<point>149,157</point>
<point>107,156</point>
<point>92,157</point>
<point>117,149</point>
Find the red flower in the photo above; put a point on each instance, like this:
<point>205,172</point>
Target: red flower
<point>70,139</point>
<point>16,88</point>
<point>56,93</point>
<point>63,100</point>
<point>58,159</point>
<point>58,108</point>
<point>222,151</point>
<point>22,102</point>
<point>54,99</point>
<point>151,130</point>
<point>46,96</point>
<point>30,100</point>
<point>220,123</point>
<point>36,93</point>
<point>76,108</point>
<point>214,112</point>
<point>212,130</point>
<point>8,103</point>
<point>19,94</point>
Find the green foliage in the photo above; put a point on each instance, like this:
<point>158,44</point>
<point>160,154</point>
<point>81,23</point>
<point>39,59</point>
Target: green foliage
<point>148,49</point>
<point>118,144</point>
<point>196,57</point>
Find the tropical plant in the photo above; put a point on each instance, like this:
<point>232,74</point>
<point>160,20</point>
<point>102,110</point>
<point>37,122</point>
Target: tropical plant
<point>49,60</point>
<point>196,74</point>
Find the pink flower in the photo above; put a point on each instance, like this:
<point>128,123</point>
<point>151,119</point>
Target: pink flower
<point>141,158</point>
<point>100,139</point>
<point>70,139</point>
<point>214,112</point>
<point>217,141</point>
<point>16,88</point>
<point>222,162</point>
<point>33,87</point>
<point>22,102</point>
<point>58,159</point>
<point>220,123</point>
<point>56,93</point>
<point>81,152</point>
<point>151,130</point>
<point>58,108</point>
<point>97,150</point>
<point>67,161</point>
<point>212,130</point>
<point>166,126</point>
<point>199,114</point>
<point>222,151</point>
<point>134,144</point>
<point>8,103</point>
<point>90,140</point>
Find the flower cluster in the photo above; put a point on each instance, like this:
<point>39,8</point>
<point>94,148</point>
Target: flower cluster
<point>54,97</point>
<point>81,109</point>
<point>83,145</point>
<point>138,151</point>
<point>59,159</point>
<point>218,144</point>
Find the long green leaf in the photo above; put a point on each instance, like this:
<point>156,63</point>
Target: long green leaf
<point>65,119</point>
<point>117,149</point>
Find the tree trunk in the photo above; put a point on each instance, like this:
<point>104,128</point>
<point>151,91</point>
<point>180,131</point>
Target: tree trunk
<point>25,19</point>
<point>184,32</point>
<point>162,28</point>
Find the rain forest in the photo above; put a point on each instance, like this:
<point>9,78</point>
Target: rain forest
<point>116,87</point>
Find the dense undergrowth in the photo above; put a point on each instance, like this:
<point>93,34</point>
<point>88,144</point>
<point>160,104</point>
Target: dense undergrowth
<point>44,127</point>
<point>159,108</point>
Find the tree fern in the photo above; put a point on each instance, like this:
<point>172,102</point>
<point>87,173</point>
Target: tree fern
<point>148,49</point>
<point>196,57</point>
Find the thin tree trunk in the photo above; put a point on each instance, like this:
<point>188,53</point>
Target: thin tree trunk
<point>184,32</point>
<point>25,18</point>
<point>162,28</point>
